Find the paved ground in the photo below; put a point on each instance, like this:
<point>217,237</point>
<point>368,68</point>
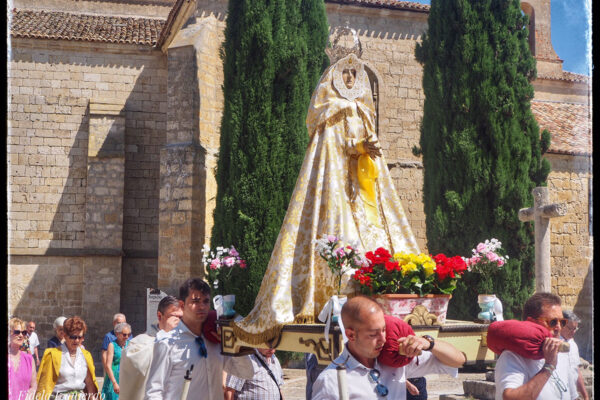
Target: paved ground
<point>295,384</point>
<point>437,385</point>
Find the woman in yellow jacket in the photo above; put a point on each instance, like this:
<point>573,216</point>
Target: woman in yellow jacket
<point>68,369</point>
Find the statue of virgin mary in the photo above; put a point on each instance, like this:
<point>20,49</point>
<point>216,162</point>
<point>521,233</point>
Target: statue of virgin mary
<point>344,188</point>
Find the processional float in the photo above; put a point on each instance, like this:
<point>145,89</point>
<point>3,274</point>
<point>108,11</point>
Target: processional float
<point>343,188</point>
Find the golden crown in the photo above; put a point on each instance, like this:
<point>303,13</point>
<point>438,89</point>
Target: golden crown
<point>338,50</point>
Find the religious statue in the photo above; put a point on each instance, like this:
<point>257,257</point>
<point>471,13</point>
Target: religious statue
<point>344,188</point>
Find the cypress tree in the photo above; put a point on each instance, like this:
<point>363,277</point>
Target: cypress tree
<point>480,143</point>
<point>273,57</point>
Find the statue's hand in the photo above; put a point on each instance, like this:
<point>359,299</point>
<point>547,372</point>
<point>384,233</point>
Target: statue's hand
<point>371,145</point>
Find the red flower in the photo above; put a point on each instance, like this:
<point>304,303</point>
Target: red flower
<point>449,267</point>
<point>391,265</point>
<point>381,256</point>
<point>363,279</point>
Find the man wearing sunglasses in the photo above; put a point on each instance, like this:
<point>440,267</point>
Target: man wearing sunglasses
<point>520,378</point>
<point>186,349</point>
<point>364,325</point>
<point>577,384</point>
<point>136,359</point>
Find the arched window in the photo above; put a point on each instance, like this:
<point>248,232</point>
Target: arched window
<point>528,9</point>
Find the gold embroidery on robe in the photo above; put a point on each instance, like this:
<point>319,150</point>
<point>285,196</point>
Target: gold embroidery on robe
<point>297,282</point>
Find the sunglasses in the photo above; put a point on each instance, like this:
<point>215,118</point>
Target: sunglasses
<point>17,332</point>
<point>202,349</point>
<point>125,334</point>
<point>381,390</point>
<point>75,337</point>
<point>552,323</point>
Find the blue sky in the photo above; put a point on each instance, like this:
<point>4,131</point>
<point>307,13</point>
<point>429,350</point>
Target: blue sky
<point>571,33</point>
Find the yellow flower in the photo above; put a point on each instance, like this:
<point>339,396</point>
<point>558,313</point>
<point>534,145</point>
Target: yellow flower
<point>408,267</point>
<point>429,268</point>
<point>422,259</point>
<point>402,258</point>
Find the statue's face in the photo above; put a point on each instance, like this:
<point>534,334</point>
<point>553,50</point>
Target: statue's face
<point>349,77</point>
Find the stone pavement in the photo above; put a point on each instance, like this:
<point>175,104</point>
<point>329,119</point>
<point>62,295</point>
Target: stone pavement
<point>439,387</point>
<point>295,383</point>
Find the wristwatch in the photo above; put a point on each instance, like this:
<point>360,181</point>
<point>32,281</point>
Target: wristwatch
<point>430,340</point>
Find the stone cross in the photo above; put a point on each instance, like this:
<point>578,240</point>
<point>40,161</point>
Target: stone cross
<point>540,213</point>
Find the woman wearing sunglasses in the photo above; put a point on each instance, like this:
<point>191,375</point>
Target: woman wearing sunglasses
<point>68,370</point>
<point>110,388</point>
<point>21,368</point>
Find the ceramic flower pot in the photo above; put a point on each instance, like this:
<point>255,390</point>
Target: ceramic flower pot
<point>491,308</point>
<point>401,305</point>
<point>224,305</point>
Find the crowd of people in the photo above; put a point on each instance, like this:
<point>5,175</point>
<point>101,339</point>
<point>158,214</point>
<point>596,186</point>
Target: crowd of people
<point>180,358</point>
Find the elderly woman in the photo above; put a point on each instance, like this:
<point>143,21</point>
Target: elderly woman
<point>58,338</point>
<point>68,369</point>
<point>21,368</point>
<point>110,388</point>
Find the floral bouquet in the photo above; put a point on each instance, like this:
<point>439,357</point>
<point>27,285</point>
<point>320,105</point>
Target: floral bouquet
<point>447,272</point>
<point>340,258</point>
<point>219,264</point>
<point>487,258</point>
<point>409,273</point>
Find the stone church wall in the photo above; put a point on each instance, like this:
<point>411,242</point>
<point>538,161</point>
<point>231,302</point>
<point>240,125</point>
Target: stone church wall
<point>571,239</point>
<point>51,166</point>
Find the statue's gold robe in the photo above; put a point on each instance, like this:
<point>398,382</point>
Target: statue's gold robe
<point>328,199</point>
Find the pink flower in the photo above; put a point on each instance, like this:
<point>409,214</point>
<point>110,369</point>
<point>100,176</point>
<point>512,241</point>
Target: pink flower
<point>500,262</point>
<point>229,261</point>
<point>332,238</point>
<point>481,247</point>
<point>474,260</point>
<point>215,264</point>
<point>340,252</point>
<point>233,252</point>
<point>492,256</point>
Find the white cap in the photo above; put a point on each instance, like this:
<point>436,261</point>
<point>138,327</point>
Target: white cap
<point>58,322</point>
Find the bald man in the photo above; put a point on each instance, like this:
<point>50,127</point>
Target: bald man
<point>366,378</point>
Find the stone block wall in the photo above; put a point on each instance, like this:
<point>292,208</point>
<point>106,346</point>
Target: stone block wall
<point>42,288</point>
<point>210,80</point>
<point>50,84</point>
<point>571,240</point>
<point>188,159</point>
<point>139,273</point>
<point>569,183</point>
<point>56,186</point>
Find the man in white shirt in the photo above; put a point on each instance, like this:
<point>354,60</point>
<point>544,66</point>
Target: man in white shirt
<point>137,357</point>
<point>365,377</point>
<point>576,382</point>
<point>519,378</point>
<point>185,349</point>
<point>34,342</point>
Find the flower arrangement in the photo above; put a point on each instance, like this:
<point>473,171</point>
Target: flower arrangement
<point>487,258</point>
<point>340,258</point>
<point>409,273</point>
<point>219,264</point>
